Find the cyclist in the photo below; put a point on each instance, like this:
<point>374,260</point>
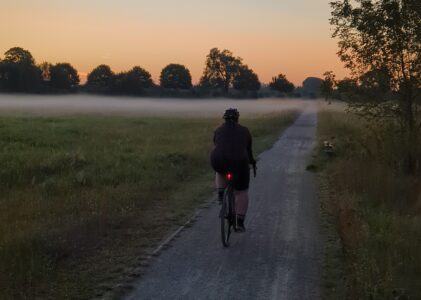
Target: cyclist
<point>232,153</point>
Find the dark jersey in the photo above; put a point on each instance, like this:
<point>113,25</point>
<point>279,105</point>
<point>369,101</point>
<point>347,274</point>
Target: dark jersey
<point>233,153</point>
<point>233,142</point>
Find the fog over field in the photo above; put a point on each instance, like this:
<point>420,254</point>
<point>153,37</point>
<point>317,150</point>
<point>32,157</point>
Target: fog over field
<point>130,106</point>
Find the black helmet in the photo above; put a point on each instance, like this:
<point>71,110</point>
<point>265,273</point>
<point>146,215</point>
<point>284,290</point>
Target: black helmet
<point>231,114</point>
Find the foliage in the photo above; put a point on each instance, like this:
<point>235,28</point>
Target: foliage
<point>220,70</point>
<point>376,205</point>
<point>133,82</point>
<point>63,77</point>
<point>346,88</point>
<point>328,85</point>
<point>246,80</point>
<point>45,68</point>
<point>101,77</point>
<point>175,76</point>
<point>138,79</point>
<point>380,42</point>
<point>18,72</point>
<point>17,55</point>
<point>223,71</point>
<point>375,83</point>
<point>281,84</point>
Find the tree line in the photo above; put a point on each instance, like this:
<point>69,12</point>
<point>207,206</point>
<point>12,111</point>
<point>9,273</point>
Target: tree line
<point>223,73</point>
<point>380,43</point>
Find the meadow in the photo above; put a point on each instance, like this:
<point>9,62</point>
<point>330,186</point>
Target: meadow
<point>375,208</point>
<point>83,198</point>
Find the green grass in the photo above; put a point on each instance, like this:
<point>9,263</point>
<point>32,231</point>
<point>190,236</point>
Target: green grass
<point>376,208</point>
<point>82,198</point>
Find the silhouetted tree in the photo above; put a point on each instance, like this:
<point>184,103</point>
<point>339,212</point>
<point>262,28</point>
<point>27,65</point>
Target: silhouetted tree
<point>18,55</point>
<point>100,78</point>
<point>327,86</point>
<point>118,85</point>
<point>347,85</point>
<point>246,79</point>
<point>18,72</point>
<point>281,84</point>
<point>175,76</point>
<point>132,82</point>
<point>384,36</point>
<point>64,77</point>
<point>220,70</point>
<point>376,82</point>
<point>2,76</point>
<point>45,68</point>
<point>138,79</point>
<point>347,89</point>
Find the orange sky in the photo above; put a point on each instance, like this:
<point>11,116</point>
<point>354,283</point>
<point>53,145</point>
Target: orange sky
<point>272,36</point>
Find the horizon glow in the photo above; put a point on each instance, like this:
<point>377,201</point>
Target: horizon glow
<point>272,37</point>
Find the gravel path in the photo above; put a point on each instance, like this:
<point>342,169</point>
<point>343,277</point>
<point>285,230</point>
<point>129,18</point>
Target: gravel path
<point>279,255</point>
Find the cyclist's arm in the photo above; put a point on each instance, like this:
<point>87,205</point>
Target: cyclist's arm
<point>250,153</point>
<point>250,149</point>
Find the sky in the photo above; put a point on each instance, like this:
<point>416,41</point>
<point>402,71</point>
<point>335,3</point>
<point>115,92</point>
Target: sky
<point>292,37</point>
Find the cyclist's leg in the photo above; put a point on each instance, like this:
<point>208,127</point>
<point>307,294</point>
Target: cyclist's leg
<point>241,206</point>
<point>219,166</point>
<point>221,184</point>
<point>241,194</point>
<point>241,203</point>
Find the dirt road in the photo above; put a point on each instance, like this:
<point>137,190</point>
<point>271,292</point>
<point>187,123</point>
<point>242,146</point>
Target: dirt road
<point>279,255</point>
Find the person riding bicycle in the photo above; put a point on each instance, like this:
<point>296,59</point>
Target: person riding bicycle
<point>232,153</point>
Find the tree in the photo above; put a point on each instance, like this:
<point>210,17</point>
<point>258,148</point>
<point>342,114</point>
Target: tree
<point>101,77</point>
<point>18,55</point>
<point>132,82</point>
<point>138,79</point>
<point>64,76</point>
<point>376,83</point>
<point>328,84</point>
<point>220,70</point>
<point>18,72</point>
<point>118,84</point>
<point>45,68</point>
<point>281,84</point>
<point>347,88</point>
<point>384,35</point>
<point>175,76</point>
<point>246,80</point>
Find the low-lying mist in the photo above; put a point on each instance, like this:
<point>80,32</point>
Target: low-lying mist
<point>127,106</point>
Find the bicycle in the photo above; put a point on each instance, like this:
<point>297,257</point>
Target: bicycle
<point>227,213</point>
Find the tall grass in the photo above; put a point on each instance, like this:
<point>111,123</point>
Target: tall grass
<point>81,198</point>
<point>378,207</point>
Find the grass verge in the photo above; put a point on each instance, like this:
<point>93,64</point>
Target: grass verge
<point>375,209</point>
<point>82,198</point>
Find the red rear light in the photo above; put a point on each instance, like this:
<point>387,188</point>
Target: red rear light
<point>229,176</point>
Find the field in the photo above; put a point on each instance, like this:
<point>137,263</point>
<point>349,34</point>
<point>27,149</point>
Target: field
<point>82,198</point>
<point>375,208</point>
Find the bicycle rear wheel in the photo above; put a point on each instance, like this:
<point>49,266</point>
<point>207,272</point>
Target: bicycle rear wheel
<point>226,216</point>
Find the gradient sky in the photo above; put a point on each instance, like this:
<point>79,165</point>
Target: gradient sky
<point>272,36</point>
